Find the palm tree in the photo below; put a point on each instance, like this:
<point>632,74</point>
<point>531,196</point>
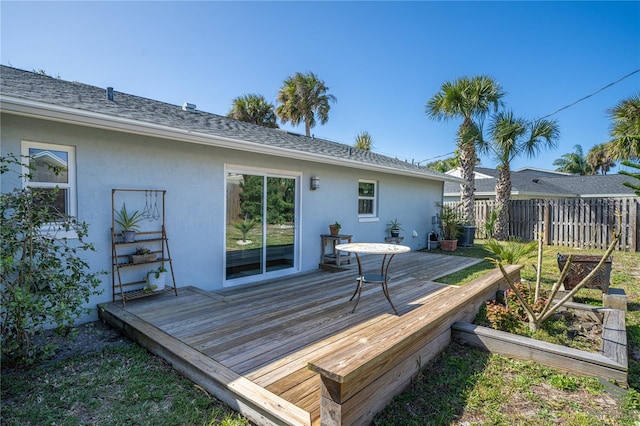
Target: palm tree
<point>470,99</point>
<point>303,97</point>
<point>574,163</point>
<point>510,138</point>
<point>443,165</point>
<point>625,131</point>
<point>635,175</point>
<point>364,141</point>
<point>254,109</point>
<point>599,159</point>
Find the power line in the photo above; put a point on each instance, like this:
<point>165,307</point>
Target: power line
<point>592,94</point>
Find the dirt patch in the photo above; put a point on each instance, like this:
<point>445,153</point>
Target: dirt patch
<point>90,337</point>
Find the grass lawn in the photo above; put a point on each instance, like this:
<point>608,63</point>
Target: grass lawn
<point>124,384</point>
<point>465,385</point>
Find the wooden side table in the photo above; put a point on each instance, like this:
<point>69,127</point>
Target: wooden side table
<point>333,258</point>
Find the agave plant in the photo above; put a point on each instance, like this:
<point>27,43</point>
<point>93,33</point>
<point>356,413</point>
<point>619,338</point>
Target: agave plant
<point>128,221</point>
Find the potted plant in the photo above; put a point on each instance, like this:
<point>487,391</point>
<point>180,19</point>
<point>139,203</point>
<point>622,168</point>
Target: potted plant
<point>142,255</point>
<point>451,223</point>
<point>129,222</point>
<point>156,279</point>
<point>335,228</point>
<point>394,227</point>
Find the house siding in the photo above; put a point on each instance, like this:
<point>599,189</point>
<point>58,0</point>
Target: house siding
<point>194,177</point>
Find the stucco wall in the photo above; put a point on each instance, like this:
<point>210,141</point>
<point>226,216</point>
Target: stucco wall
<point>193,176</point>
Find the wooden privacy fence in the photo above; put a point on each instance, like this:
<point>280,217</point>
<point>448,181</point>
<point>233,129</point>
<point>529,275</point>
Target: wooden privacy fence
<point>570,222</point>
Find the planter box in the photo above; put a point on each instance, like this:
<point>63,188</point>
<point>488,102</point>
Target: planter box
<point>610,363</point>
<point>581,266</point>
<point>142,258</point>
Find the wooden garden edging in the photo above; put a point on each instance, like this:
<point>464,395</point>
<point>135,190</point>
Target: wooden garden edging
<point>360,378</point>
<point>610,363</point>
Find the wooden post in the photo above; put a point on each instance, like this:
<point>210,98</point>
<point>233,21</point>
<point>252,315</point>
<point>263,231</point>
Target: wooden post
<point>633,225</point>
<point>547,223</point>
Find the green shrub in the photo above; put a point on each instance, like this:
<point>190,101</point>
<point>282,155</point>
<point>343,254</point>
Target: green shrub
<point>43,280</point>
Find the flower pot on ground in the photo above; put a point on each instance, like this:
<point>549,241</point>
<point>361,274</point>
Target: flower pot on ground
<point>128,222</point>
<point>449,245</point>
<point>451,220</point>
<point>334,229</point>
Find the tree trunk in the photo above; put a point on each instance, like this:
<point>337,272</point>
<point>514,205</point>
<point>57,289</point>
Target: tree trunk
<point>467,164</point>
<point>503,199</point>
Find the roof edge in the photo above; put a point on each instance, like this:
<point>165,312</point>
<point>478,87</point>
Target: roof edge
<point>41,110</point>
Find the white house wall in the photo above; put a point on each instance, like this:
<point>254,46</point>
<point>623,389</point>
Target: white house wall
<point>194,177</point>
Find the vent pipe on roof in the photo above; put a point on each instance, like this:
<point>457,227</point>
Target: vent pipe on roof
<point>110,93</point>
<point>189,107</point>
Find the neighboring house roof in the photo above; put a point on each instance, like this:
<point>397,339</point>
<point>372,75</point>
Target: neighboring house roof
<point>541,172</point>
<point>31,94</point>
<point>533,183</point>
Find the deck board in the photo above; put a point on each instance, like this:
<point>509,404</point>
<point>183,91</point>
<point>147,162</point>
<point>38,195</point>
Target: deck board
<point>268,333</point>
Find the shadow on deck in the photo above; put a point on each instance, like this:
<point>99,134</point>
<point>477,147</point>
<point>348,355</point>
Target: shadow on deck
<point>260,348</point>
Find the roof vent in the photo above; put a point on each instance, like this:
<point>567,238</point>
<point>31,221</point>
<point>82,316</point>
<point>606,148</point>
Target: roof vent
<point>535,180</point>
<point>189,107</point>
<point>110,93</point>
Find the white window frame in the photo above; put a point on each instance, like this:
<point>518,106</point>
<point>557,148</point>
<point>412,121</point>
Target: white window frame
<point>70,185</point>
<point>265,172</point>
<point>374,198</point>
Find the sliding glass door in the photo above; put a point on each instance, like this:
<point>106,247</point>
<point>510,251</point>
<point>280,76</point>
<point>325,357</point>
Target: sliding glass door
<point>260,225</point>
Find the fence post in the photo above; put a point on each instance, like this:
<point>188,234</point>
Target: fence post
<point>633,225</point>
<point>546,224</point>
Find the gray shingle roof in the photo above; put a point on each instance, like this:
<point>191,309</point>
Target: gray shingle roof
<point>25,85</point>
<point>546,184</point>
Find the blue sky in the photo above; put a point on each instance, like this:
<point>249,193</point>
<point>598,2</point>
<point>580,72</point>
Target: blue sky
<point>382,60</point>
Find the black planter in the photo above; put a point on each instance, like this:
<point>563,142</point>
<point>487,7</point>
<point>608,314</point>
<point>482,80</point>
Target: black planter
<point>466,237</point>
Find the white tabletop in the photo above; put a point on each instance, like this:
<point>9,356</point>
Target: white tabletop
<point>373,248</point>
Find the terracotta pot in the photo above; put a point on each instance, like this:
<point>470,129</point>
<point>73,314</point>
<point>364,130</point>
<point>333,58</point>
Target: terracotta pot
<point>334,230</point>
<point>449,245</point>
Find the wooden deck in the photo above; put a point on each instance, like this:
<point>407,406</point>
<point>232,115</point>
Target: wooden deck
<point>251,345</point>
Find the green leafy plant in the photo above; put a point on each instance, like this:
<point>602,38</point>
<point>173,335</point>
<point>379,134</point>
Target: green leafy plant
<point>128,221</point>
<point>394,225</point>
<point>536,318</point>
<point>156,272</point>
<point>43,280</point>
<point>142,250</point>
<point>490,222</point>
<point>512,251</point>
<point>451,220</point>
<point>335,228</point>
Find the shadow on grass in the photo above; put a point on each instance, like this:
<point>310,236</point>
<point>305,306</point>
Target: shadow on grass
<point>439,394</point>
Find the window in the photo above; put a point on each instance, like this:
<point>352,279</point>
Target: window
<point>53,166</point>
<point>367,198</point>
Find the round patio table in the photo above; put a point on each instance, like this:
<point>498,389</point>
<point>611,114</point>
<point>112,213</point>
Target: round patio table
<point>389,251</point>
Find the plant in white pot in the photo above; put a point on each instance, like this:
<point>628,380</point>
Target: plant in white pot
<point>129,222</point>
<point>156,279</point>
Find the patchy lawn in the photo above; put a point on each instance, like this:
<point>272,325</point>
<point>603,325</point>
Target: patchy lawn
<point>104,379</point>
